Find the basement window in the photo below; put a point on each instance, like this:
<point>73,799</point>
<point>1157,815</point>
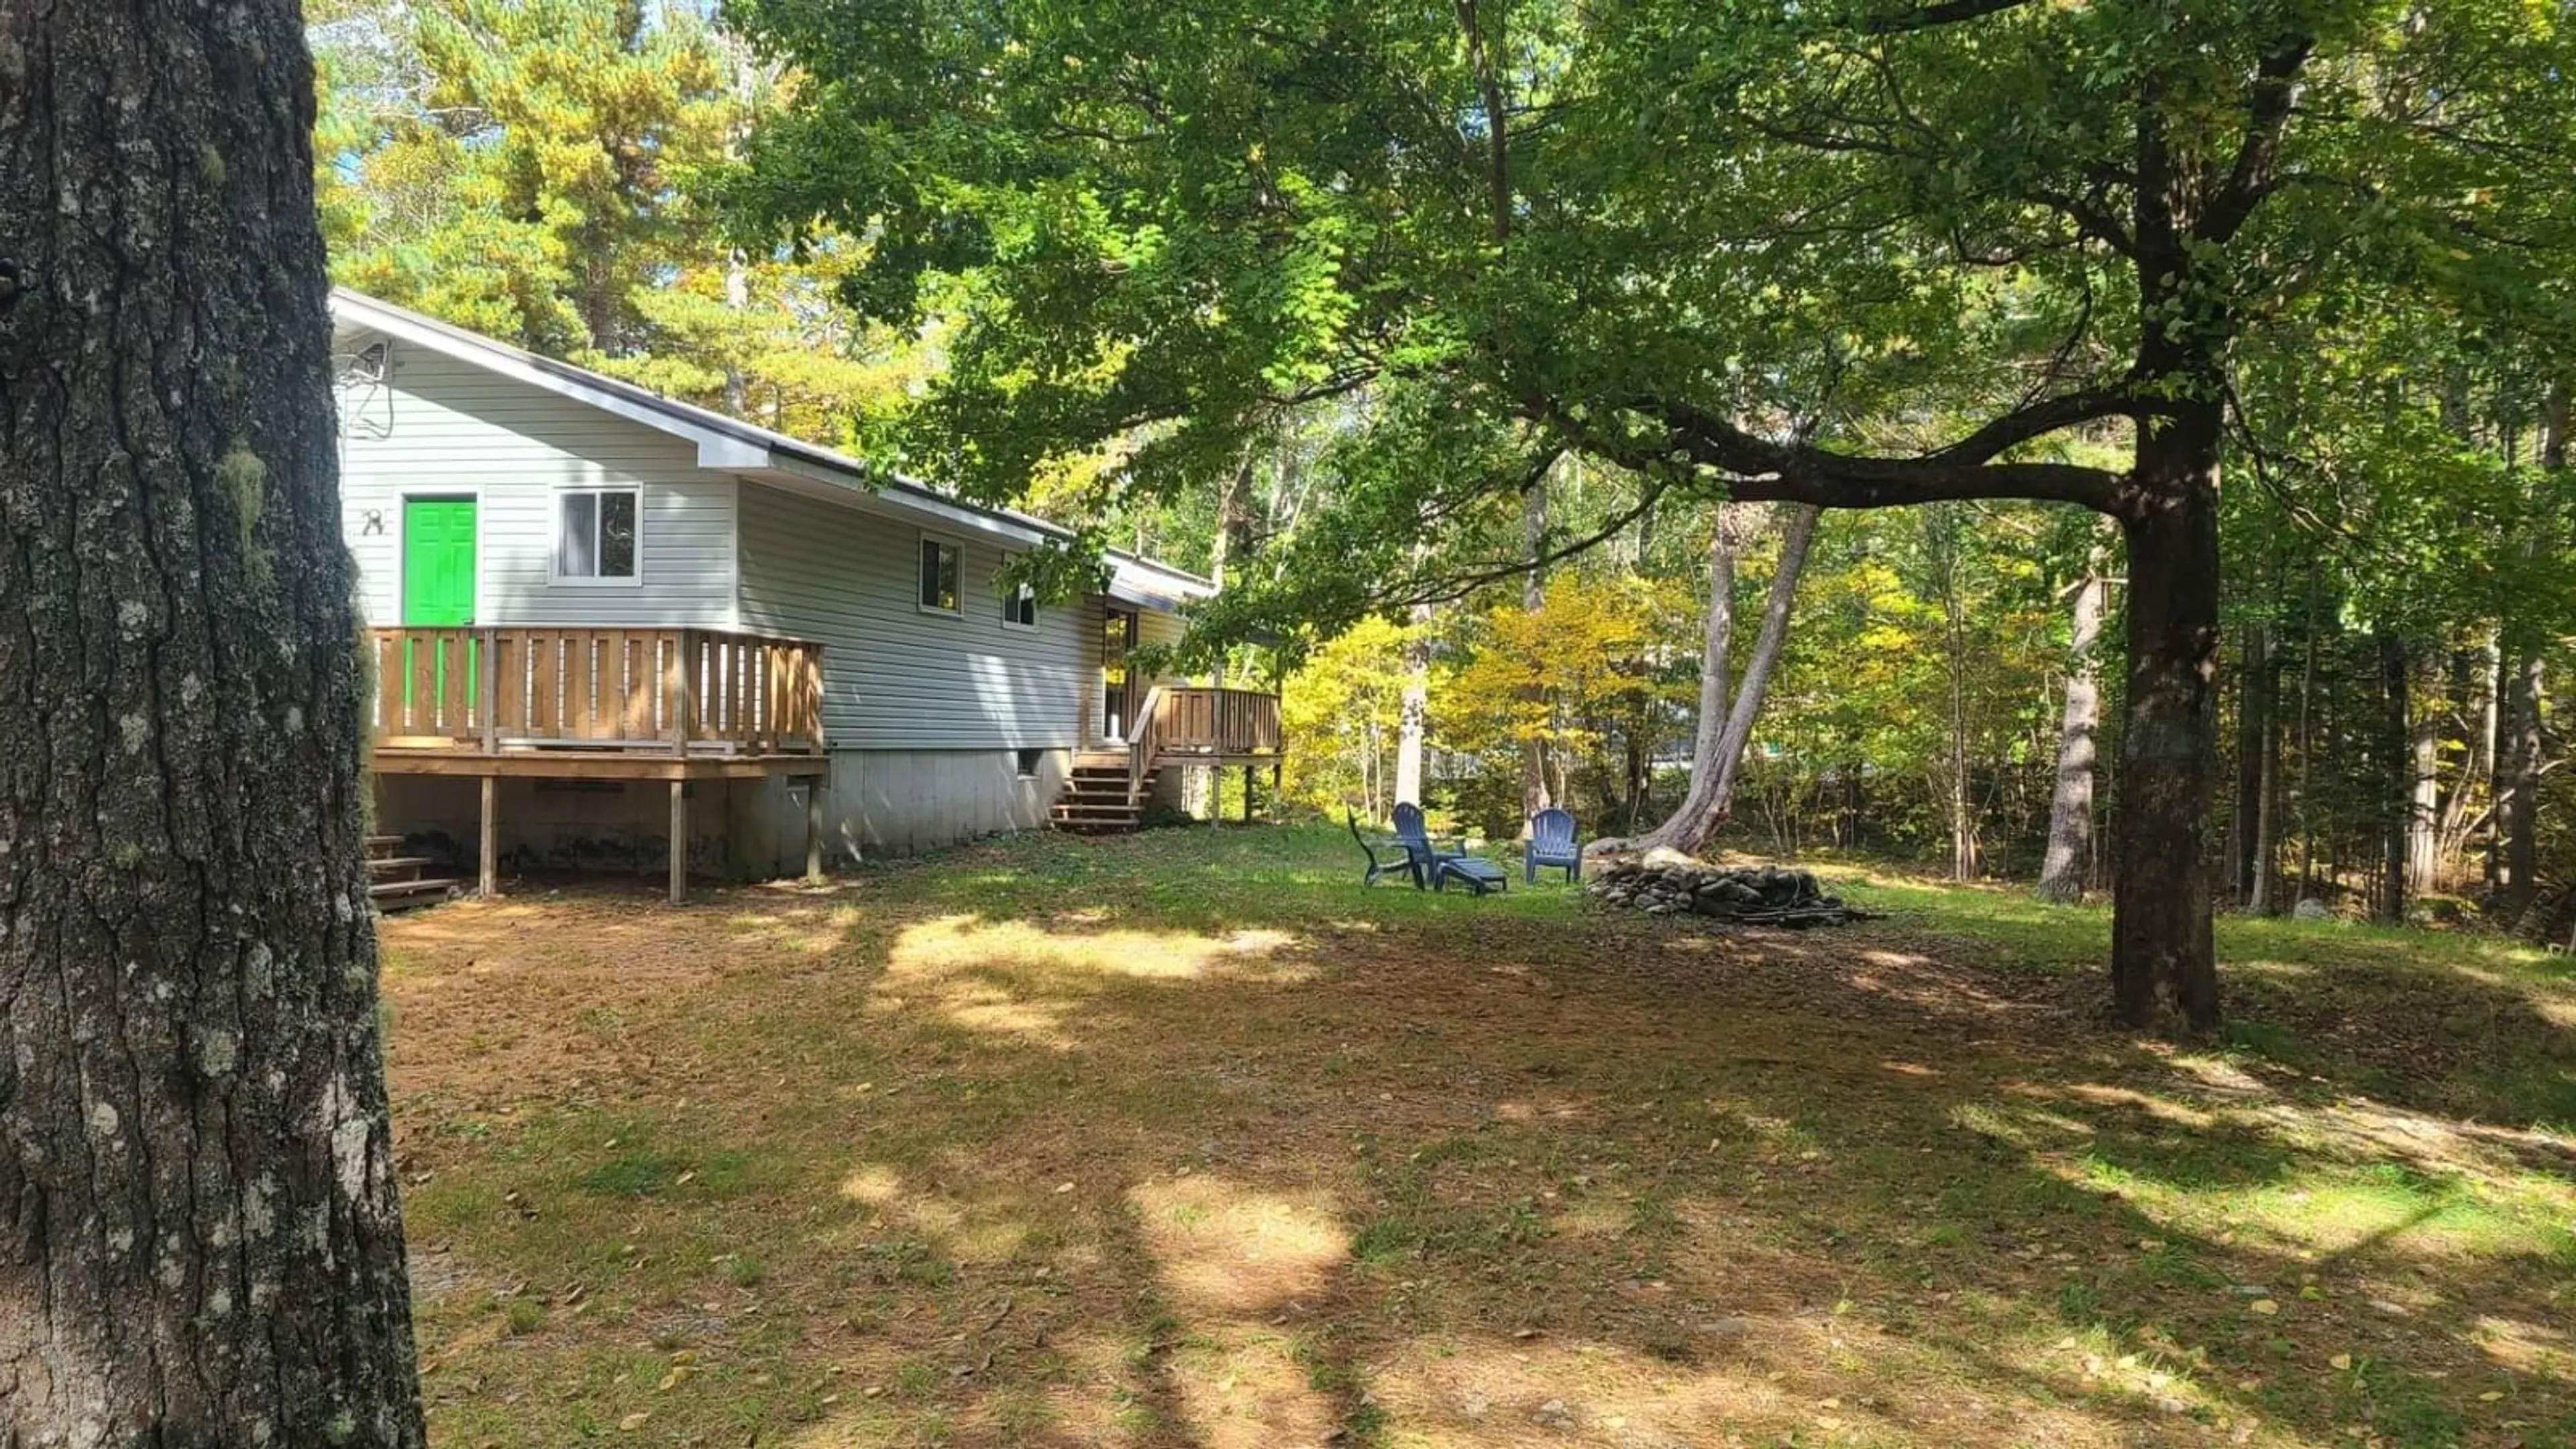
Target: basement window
<point>1028,763</point>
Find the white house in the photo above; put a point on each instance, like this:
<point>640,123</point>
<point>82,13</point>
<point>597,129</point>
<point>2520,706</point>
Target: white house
<point>603,621</point>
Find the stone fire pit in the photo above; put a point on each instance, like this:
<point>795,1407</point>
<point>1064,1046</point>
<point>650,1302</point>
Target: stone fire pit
<point>1666,884</point>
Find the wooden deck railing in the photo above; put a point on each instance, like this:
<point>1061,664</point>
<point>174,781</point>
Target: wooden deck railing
<point>1181,721</point>
<point>1189,720</point>
<point>667,691</point>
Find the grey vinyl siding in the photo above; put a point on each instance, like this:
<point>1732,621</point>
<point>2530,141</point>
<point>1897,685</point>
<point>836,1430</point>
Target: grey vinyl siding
<point>894,676</point>
<point>443,424</point>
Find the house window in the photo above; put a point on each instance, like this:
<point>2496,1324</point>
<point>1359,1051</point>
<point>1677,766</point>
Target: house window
<point>939,576</point>
<point>596,534</point>
<point>1028,763</point>
<point>1020,608</point>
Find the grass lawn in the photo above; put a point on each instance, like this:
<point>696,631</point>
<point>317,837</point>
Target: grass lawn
<point>1184,1139</point>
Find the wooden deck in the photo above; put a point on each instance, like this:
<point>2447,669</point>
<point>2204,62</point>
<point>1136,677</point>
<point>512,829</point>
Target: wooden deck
<point>671,705</point>
<point>1181,724</point>
<point>1192,725</point>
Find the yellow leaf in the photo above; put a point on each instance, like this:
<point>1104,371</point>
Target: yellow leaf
<point>2490,1396</point>
<point>2264,1306</point>
<point>2341,1360</point>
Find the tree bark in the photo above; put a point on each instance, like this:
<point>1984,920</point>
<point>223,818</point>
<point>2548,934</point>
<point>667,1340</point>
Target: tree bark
<point>199,1237</point>
<point>2070,812</point>
<point>2267,793</point>
<point>2397,785</point>
<point>1725,544</point>
<point>1691,832</point>
<point>1535,794</point>
<point>1414,709</point>
<point>2424,774</point>
<point>2521,805</point>
<point>2477,772</point>
<point>2163,958</point>
<point>737,386</point>
<point>1958,802</point>
<point>2253,718</point>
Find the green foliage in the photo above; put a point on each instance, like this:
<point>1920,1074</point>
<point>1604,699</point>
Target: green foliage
<point>1343,709</point>
<point>534,169</point>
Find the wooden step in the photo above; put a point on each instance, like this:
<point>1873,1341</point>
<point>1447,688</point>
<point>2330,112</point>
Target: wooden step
<point>1100,815</point>
<point>387,864</point>
<point>394,895</point>
<point>376,843</point>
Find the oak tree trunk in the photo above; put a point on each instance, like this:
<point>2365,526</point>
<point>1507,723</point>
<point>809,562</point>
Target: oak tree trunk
<point>199,1238</point>
<point>2163,960</point>
<point>2070,813</point>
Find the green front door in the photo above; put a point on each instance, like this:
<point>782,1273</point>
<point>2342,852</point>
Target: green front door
<point>438,592</point>
<point>438,562</point>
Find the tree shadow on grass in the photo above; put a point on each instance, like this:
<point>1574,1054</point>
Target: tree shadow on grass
<point>1589,1181</point>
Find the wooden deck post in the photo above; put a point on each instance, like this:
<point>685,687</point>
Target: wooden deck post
<point>1247,794</point>
<point>814,790</point>
<point>679,841</point>
<point>487,680</point>
<point>487,862</point>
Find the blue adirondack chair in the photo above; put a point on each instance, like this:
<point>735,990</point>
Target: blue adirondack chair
<point>1378,869</point>
<point>1436,867</point>
<point>1552,845</point>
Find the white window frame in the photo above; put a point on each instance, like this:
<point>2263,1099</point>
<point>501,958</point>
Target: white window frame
<point>554,539</point>
<point>954,545</point>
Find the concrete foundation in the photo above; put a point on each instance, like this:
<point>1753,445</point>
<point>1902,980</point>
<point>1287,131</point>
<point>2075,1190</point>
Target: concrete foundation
<point>879,803</point>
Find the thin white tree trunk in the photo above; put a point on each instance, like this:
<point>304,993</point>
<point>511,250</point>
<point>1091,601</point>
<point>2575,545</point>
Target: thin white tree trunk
<point>1535,792</point>
<point>2423,813</point>
<point>1798,531</point>
<point>2069,860</point>
<point>1415,709</point>
<point>1726,727</point>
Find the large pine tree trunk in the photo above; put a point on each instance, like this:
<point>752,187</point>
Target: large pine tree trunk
<point>199,1240</point>
<point>2163,960</point>
<point>2070,812</point>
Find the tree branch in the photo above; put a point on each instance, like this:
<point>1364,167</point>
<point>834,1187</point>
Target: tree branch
<point>2267,118</point>
<point>1933,17</point>
<point>1761,470</point>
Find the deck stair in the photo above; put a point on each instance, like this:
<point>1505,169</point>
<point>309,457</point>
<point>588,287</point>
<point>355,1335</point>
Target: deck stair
<point>398,882</point>
<point>1096,799</point>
